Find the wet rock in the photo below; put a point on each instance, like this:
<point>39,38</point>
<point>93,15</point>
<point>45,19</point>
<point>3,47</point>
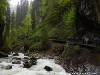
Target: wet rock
<point>16,54</point>
<point>16,62</point>
<point>26,54</point>
<point>27,64</point>
<point>47,68</point>
<point>33,60</point>
<point>8,67</point>
<point>27,58</point>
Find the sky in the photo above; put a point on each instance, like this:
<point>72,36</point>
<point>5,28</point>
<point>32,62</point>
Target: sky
<point>15,2</point>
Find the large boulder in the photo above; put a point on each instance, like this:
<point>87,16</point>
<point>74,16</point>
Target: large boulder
<point>16,60</point>
<point>8,67</point>
<point>15,54</point>
<point>33,60</point>
<point>27,64</point>
<point>47,68</point>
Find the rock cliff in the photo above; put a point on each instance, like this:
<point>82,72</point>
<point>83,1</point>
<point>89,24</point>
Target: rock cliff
<point>88,16</point>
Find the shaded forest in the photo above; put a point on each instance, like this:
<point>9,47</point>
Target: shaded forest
<point>38,22</point>
<point>69,29</point>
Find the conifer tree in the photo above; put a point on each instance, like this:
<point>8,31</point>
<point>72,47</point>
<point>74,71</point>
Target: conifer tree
<point>3,7</point>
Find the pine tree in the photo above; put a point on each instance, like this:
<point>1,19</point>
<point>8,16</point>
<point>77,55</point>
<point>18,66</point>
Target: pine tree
<point>35,12</point>
<point>21,12</point>
<point>12,20</point>
<point>7,36</point>
<point>18,15</point>
<point>24,8</point>
<point>7,26</point>
<point>27,24</point>
<point>3,7</point>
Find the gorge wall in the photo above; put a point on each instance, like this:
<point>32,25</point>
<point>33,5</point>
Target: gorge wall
<point>88,16</point>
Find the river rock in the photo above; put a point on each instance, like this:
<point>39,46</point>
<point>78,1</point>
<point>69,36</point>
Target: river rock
<point>47,68</point>
<point>33,60</point>
<point>8,67</point>
<point>16,62</point>
<point>15,54</point>
<point>27,64</point>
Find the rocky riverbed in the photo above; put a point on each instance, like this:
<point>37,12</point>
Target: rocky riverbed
<point>12,66</point>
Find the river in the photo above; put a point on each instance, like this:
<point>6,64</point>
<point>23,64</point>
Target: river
<point>38,69</point>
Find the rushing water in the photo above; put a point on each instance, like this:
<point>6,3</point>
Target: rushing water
<point>17,69</point>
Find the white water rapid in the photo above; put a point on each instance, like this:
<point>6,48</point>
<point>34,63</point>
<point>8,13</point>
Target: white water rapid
<point>17,69</point>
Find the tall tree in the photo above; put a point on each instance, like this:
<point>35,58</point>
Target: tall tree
<point>12,20</point>
<point>21,12</point>
<point>6,33</point>
<point>18,15</point>
<point>3,7</point>
<point>27,24</point>
<point>24,8</point>
<point>7,26</point>
<point>35,12</point>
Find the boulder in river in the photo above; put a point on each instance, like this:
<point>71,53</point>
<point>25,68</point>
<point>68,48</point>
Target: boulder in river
<point>27,64</point>
<point>15,54</point>
<point>33,60</point>
<point>16,62</point>
<point>47,68</point>
<point>8,67</point>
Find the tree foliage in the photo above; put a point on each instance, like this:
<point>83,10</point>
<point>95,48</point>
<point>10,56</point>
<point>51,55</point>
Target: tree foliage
<point>21,12</point>
<point>3,7</point>
<point>35,12</point>
<point>43,19</point>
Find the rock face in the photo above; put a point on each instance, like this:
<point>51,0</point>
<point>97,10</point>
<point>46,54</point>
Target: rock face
<point>89,15</point>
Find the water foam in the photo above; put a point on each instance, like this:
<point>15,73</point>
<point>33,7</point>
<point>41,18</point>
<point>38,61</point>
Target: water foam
<point>35,69</point>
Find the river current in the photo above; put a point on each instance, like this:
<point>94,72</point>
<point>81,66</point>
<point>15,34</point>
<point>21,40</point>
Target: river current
<point>38,69</point>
